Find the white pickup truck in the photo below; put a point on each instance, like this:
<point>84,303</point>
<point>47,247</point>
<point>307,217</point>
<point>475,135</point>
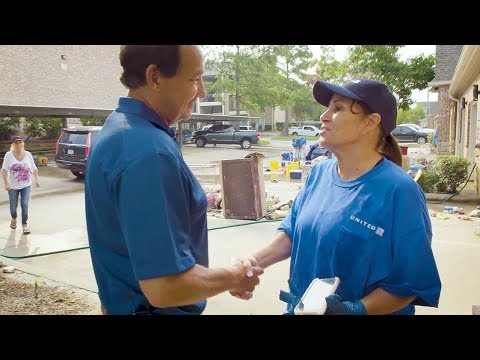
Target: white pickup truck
<point>305,130</point>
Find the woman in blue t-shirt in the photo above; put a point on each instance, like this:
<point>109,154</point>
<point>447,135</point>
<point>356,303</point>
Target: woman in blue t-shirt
<point>359,217</point>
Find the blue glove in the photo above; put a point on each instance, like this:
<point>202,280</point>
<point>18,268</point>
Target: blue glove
<point>335,306</point>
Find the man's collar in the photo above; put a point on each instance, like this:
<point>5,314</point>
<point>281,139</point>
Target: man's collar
<point>138,107</point>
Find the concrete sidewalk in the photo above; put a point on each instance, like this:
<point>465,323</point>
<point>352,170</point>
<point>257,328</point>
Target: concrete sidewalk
<point>455,246</point>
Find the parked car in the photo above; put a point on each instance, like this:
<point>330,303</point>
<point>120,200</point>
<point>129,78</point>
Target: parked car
<point>305,130</point>
<point>73,146</point>
<point>225,134</point>
<point>417,127</point>
<point>405,133</point>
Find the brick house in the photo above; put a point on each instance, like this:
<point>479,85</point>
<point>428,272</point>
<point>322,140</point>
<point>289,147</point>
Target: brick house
<point>446,60</point>
<point>463,95</point>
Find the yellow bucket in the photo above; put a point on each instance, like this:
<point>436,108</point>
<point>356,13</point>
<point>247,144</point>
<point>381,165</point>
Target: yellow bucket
<point>295,165</point>
<point>274,165</point>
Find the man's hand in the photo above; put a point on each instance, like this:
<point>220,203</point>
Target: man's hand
<point>335,306</point>
<point>7,186</point>
<point>37,183</point>
<point>250,269</point>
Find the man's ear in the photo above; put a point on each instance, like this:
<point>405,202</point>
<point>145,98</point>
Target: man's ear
<point>152,75</point>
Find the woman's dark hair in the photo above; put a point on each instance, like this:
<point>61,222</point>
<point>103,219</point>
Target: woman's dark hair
<point>135,59</point>
<point>387,146</point>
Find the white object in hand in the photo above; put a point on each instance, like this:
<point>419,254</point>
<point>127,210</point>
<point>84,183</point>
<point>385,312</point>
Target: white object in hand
<point>313,300</point>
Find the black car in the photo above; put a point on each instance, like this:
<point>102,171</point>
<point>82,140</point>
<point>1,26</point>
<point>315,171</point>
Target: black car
<point>73,146</point>
<point>405,133</point>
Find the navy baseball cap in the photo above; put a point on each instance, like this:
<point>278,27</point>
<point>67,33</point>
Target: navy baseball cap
<point>16,138</point>
<point>373,93</point>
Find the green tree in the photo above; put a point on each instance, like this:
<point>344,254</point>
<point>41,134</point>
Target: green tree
<point>7,127</point>
<point>328,68</point>
<point>411,115</point>
<point>382,63</point>
<point>306,107</point>
<point>245,72</point>
<point>293,62</point>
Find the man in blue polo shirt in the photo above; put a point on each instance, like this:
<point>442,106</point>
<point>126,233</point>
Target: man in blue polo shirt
<point>145,210</point>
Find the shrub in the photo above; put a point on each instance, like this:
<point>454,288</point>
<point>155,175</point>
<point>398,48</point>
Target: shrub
<point>33,128</point>
<point>453,171</point>
<point>52,127</point>
<point>92,122</point>
<point>428,181</point>
<point>268,127</point>
<point>7,127</point>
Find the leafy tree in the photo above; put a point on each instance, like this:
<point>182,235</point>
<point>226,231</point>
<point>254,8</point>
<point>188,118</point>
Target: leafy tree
<point>328,68</point>
<point>92,121</point>
<point>7,127</point>
<point>246,73</point>
<point>293,62</point>
<point>379,62</point>
<point>411,115</point>
<point>306,107</point>
<point>382,63</point>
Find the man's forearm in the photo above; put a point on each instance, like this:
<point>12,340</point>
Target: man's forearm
<point>381,302</point>
<point>279,249</point>
<point>188,287</point>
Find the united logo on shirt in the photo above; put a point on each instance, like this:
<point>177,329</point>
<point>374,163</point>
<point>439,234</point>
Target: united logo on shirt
<point>378,230</point>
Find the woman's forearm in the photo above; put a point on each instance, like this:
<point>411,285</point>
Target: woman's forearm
<point>5,176</point>
<point>381,302</point>
<point>279,249</point>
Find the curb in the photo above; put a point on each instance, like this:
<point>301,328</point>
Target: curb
<point>460,198</point>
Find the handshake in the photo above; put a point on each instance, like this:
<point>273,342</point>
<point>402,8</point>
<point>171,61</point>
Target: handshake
<point>247,274</point>
<point>246,277</point>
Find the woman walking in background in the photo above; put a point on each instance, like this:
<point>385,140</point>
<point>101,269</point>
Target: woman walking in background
<point>17,169</point>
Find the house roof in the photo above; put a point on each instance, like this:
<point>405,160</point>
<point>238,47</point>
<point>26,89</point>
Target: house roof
<point>447,58</point>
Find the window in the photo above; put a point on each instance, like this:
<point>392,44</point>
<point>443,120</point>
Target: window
<point>74,138</point>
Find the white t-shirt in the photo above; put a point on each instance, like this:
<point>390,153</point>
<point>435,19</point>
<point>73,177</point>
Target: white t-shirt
<point>19,172</point>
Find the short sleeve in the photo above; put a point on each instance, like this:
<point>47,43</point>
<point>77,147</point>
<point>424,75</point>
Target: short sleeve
<point>33,167</point>
<point>153,210</point>
<point>414,270</point>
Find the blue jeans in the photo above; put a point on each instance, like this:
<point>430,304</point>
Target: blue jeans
<point>24,198</point>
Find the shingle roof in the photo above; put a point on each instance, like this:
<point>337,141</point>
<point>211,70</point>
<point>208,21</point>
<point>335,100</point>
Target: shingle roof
<point>447,58</point>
